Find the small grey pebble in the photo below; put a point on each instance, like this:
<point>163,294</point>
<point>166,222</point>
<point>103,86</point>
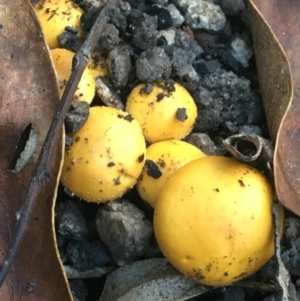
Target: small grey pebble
<point>87,255</point>
<point>89,17</point>
<point>153,65</point>
<point>251,129</point>
<point>201,14</point>
<point>168,34</point>
<point>240,50</point>
<point>226,103</point>
<point>77,115</point>
<point>176,16</point>
<point>119,65</point>
<point>182,61</point>
<point>185,42</point>
<point>144,33</point>
<point>203,142</point>
<point>109,37</point>
<point>291,230</point>
<point>192,79</point>
<point>205,67</point>
<point>232,7</point>
<point>291,248</point>
<point>291,258</point>
<point>234,294</point>
<point>70,222</point>
<point>118,19</point>
<point>107,93</point>
<point>68,140</point>
<point>124,229</point>
<point>79,289</point>
<point>70,41</point>
<point>124,8</point>
<point>184,4</point>
<point>164,19</point>
<point>160,2</point>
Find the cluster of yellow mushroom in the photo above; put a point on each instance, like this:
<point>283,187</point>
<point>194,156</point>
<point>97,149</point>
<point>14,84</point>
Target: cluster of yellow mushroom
<point>55,16</point>
<point>212,215</point>
<point>108,154</point>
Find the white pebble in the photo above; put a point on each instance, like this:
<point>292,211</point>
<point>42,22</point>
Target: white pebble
<point>240,51</point>
<point>169,35</point>
<point>205,15</point>
<point>176,16</point>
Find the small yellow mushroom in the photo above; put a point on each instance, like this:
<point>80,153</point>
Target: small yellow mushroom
<point>213,220</point>
<point>106,157</point>
<point>62,59</point>
<point>55,15</point>
<point>165,112</point>
<point>162,160</point>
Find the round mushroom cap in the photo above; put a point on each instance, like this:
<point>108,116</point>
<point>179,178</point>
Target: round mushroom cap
<point>106,157</point>
<point>162,160</point>
<point>54,16</point>
<point>213,220</point>
<point>166,111</point>
<point>62,60</point>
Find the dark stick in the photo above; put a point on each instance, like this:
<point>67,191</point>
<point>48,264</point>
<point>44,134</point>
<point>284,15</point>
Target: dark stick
<point>43,170</point>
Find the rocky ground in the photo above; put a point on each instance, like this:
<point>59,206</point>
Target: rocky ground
<point>206,45</point>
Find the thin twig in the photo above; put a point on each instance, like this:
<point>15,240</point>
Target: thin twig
<point>43,169</point>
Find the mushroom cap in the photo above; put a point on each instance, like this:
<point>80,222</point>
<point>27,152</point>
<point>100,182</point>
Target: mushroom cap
<point>62,60</point>
<point>213,220</point>
<point>167,112</point>
<point>54,16</point>
<point>106,157</point>
<point>162,160</point>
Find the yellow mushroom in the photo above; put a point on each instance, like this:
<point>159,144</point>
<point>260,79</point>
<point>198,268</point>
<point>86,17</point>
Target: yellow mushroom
<point>55,15</point>
<point>213,220</point>
<point>162,160</point>
<point>168,111</point>
<point>62,59</point>
<point>106,157</point>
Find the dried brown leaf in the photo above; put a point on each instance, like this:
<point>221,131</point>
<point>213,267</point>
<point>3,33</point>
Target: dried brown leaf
<point>275,26</point>
<point>28,98</point>
<point>250,148</point>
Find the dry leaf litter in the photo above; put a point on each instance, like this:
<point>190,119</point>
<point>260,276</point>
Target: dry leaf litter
<point>207,47</point>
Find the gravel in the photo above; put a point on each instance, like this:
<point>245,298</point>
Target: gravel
<point>124,229</point>
<point>87,255</point>
<point>206,45</point>
<point>153,65</point>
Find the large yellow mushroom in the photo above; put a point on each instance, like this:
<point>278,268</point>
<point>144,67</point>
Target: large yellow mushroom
<point>106,157</point>
<point>213,220</point>
<point>162,160</point>
<point>165,111</point>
